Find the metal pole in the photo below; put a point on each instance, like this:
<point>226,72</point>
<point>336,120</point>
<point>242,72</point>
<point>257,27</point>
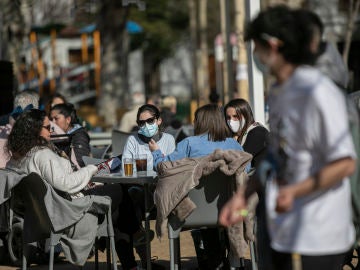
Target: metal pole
<point>225,92</point>
<point>219,55</point>
<point>256,79</point>
<point>193,37</point>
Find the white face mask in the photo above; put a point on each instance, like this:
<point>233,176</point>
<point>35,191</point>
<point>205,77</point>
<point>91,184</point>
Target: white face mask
<point>234,125</point>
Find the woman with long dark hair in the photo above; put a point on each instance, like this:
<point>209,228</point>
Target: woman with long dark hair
<point>252,135</point>
<point>150,128</point>
<point>64,116</point>
<point>31,151</point>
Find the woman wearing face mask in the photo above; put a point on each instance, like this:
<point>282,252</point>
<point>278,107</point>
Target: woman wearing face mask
<point>149,123</point>
<point>252,135</point>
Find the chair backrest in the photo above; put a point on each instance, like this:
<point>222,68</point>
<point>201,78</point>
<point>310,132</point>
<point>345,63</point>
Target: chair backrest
<point>118,141</point>
<point>31,192</point>
<point>90,160</point>
<point>209,196</point>
<point>99,151</point>
<point>173,131</point>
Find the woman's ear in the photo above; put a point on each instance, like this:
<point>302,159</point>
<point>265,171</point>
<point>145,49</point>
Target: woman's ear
<point>159,121</point>
<point>68,120</point>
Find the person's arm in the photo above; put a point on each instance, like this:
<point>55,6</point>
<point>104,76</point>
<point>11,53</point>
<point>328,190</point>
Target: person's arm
<point>327,177</point>
<point>181,151</point>
<point>235,210</point>
<point>329,131</point>
<point>57,171</point>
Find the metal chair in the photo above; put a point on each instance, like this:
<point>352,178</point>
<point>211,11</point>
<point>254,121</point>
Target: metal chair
<point>31,193</point>
<point>118,141</point>
<point>91,160</point>
<point>209,196</point>
<point>99,151</point>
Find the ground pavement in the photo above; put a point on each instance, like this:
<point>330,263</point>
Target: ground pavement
<point>159,249</point>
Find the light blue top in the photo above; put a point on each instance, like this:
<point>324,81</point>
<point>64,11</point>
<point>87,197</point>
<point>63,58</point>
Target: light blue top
<point>196,146</point>
<point>134,146</point>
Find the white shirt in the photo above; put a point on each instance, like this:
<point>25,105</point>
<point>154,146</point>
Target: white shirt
<point>134,146</point>
<point>308,117</point>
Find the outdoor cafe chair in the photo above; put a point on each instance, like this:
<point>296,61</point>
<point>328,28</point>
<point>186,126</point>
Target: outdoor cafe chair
<point>31,192</point>
<point>99,151</point>
<point>118,141</point>
<point>92,160</point>
<point>209,196</point>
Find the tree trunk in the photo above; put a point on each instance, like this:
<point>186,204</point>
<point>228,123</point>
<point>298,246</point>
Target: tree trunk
<point>151,75</point>
<point>242,79</point>
<point>112,26</point>
<point>11,35</point>
<point>203,73</point>
<point>193,36</point>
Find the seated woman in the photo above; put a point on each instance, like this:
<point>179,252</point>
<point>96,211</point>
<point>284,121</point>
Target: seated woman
<point>252,135</point>
<point>64,116</point>
<point>211,133</point>
<point>31,151</point>
<point>150,128</point>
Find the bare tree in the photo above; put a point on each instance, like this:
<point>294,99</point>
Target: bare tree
<point>11,31</point>
<point>114,42</point>
<point>353,12</point>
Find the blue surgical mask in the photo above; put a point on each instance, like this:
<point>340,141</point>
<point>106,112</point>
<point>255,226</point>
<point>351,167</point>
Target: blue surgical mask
<point>262,67</point>
<point>148,130</point>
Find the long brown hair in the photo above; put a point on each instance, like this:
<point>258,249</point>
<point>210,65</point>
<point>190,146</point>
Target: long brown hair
<point>209,119</point>
<point>243,110</point>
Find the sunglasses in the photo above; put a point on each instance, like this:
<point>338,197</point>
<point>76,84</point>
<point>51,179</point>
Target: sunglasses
<point>48,128</point>
<point>149,121</point>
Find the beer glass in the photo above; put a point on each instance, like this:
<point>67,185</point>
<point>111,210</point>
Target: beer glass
<point>128,166</point>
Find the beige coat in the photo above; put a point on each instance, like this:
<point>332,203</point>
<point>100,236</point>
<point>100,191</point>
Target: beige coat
<point>177,178</point>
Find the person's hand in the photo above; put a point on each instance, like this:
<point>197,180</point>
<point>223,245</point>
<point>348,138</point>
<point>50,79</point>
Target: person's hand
<point>285,199</point>
<point>234,210</point>
<point>153,145</point>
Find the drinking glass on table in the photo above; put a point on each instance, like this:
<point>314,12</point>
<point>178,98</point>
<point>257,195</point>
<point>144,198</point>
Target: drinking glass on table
<point>141,163</point>
<point>128,166</point>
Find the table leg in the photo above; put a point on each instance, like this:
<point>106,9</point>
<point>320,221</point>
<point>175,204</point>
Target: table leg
<point>147,227</point>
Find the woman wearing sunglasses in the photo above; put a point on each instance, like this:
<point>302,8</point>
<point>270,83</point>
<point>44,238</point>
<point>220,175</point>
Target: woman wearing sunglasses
<point>31,151</point>
<point>149,123</point>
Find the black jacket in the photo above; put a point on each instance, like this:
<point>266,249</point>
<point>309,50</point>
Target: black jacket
<point>256,144</point>
<point>79,140</point>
